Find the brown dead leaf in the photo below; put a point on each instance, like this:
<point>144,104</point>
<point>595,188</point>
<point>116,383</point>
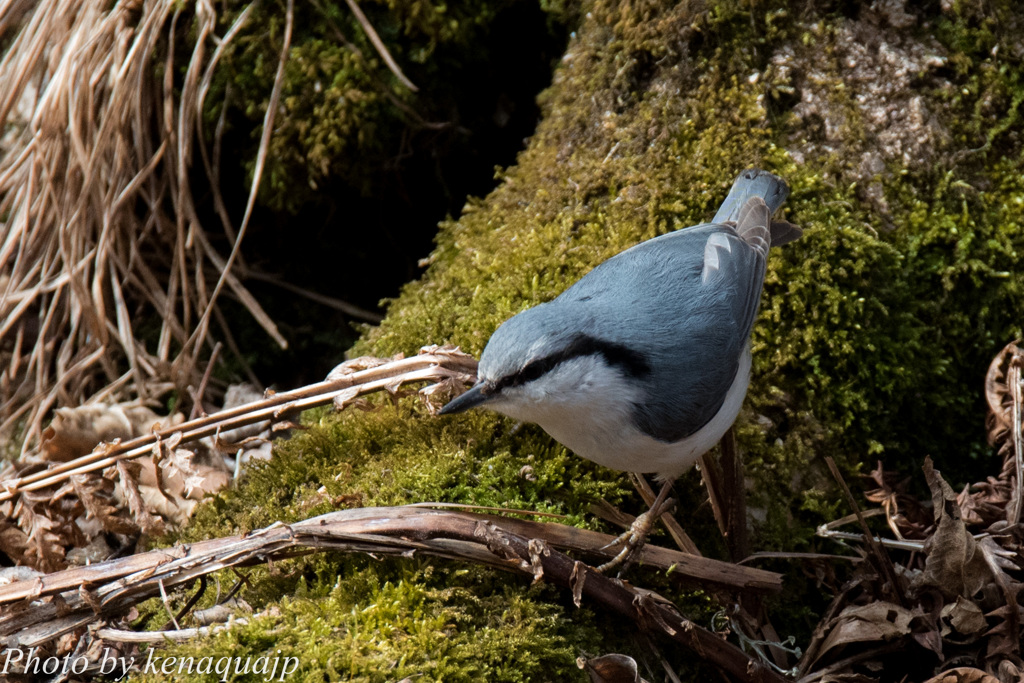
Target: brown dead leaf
<point>45,551</point>
<point>963,674</point>
<point>175,510</point>
<point>96,494</point>
<point>177,475</point>
<point>1009,672</point>
<point>987,502</point>
<point>162,487</point>
<point>905,515</point>
<point>128,488</point>
<point>963,617</point>
<point>74,432</point>
<point>929,640</point>
<point>876,622</point>
<point>196,480</point>
<point>998,396</point>
<point>13,541</point>
<point>1003,639</point>
<point>954,565</point>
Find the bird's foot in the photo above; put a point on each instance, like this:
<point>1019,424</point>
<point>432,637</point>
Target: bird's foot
<point>632,541</point>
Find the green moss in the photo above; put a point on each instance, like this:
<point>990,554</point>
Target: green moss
<point>364,627</point>
<point>380,458</point>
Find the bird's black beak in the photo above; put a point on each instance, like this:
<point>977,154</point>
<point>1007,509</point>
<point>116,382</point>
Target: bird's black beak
<point>479,394</point>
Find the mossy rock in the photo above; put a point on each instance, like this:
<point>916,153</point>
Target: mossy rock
<point>898,130</point>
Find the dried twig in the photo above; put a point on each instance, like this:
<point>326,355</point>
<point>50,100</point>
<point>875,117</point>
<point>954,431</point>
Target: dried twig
<point>711,475</point>
<point>1013,381</point>
<point>911,546</point>
<point>68,600</point>
<point>736,495</point>
<point>881,558</point>
<point>435,364</point>
<point>118,635</point>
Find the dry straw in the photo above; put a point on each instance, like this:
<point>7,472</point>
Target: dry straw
<point>99,223</point>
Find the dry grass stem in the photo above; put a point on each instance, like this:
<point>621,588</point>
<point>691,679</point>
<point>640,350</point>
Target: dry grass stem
<point>117,635</point>
<point>445,367</point>
<point>90,139</point>
<point>100,233</point>
<point>378,45</point>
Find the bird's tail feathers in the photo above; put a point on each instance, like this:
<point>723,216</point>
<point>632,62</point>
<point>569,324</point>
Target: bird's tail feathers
<point>784,232</point>
<point>753,225</point>
<point>759,231</point>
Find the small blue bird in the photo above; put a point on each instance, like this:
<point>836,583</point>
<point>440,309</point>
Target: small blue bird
<point>643,364</point>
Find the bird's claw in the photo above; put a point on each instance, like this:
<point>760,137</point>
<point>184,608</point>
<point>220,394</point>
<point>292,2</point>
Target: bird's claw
<point>633,539</point>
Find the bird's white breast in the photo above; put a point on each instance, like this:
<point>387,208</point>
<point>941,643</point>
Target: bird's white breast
<point>587,405</point>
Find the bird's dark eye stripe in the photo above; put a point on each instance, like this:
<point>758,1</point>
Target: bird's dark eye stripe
<point>632,362</point>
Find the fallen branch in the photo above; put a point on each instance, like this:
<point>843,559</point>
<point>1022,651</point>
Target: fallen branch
<point>40,610</point>
<point>379,530</point>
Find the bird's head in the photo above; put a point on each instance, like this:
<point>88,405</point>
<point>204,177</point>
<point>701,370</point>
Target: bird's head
<point>520,352</point>
<point>536,362</point>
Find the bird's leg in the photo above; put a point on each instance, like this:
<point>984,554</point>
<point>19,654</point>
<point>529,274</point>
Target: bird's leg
<point>635,537</point>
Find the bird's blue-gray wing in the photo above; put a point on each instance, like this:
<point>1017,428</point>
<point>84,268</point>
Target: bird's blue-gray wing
<point>687,301</point>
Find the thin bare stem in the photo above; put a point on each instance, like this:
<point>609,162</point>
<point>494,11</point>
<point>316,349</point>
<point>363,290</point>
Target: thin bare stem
<point>442,365</point>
